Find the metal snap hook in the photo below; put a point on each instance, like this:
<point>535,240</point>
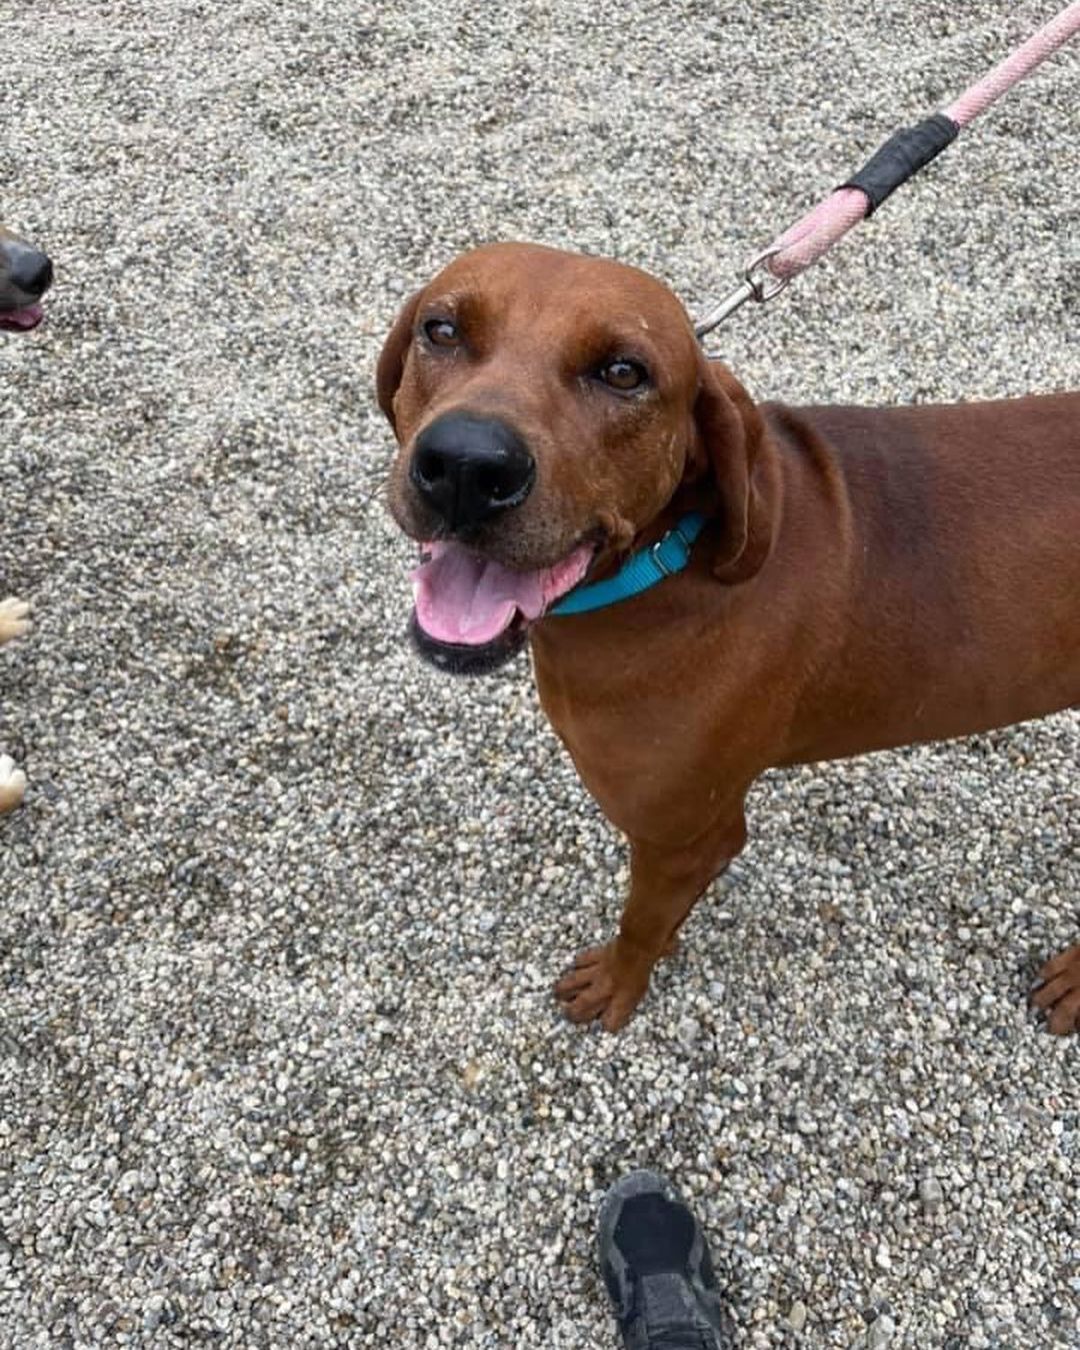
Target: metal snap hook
<point>757,284</point>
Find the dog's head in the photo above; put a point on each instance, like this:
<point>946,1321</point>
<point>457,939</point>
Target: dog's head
<point>25,275</point>
<point>548,408</point>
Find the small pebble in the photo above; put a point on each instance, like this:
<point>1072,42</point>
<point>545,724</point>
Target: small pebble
<point>931,1194</point>
<point>880,1332</point>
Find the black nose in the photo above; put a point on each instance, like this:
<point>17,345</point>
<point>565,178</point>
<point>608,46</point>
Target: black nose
<point>28,269</point>
<point>468,469</point>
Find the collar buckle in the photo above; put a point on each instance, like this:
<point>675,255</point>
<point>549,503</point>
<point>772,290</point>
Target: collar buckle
<point>657,555</point>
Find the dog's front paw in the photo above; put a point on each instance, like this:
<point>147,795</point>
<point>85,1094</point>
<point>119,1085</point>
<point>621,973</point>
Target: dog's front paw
<point>14,618</point>
<point>12,784</point>
<point>1058,994</point>
<point>607,982</point>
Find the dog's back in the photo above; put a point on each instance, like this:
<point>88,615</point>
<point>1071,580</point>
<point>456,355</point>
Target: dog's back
<point>961,603</point>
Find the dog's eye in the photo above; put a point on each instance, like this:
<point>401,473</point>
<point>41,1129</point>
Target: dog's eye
<point>624,375</point>
<point>442,333</point>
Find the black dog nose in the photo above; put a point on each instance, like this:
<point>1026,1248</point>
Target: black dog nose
<point>468,469</point>
<point>28,269</point>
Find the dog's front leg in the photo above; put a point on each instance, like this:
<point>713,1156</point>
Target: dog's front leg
<point>609,981</point>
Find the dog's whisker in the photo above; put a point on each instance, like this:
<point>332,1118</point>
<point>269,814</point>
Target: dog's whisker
<point>378,491</point>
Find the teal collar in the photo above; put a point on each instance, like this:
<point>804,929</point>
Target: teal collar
<point>640,572</point>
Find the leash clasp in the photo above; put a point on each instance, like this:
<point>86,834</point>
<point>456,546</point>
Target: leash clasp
<point>757,284</point>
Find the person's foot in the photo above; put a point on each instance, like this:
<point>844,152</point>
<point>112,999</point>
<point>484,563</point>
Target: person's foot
<point>657,1269</point>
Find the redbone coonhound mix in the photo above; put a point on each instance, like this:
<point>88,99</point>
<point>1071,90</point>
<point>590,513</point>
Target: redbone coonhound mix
<point>866,578</point>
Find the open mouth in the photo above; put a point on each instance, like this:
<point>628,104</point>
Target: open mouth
<point>472,613</point>
<point>21,320</point>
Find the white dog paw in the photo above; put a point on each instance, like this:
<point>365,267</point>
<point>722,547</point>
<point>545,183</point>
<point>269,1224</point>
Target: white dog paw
<point>12,784</point>
<point>14,618</point>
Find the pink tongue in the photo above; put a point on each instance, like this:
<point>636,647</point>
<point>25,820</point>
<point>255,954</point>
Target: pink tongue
<point>464,598</point>
<point>20,320</point>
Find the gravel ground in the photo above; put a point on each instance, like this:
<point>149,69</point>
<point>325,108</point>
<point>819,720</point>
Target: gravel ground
<point>281,913</point>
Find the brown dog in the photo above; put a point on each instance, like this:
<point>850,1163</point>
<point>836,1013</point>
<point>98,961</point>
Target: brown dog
<point>866,578</point>
<point>25,276</point>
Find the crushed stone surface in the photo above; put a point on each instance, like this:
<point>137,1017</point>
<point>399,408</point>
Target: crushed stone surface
<point>279,1062</point>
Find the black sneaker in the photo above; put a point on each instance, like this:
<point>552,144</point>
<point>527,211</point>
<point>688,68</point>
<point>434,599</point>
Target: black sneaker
<point>657,1269</point>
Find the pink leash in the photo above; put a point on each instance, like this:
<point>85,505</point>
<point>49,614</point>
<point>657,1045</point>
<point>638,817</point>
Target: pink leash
<point>899,159</point>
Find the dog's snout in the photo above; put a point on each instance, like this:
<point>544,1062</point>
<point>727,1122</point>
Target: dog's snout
<point>28,269</point>
<point>468,469</point>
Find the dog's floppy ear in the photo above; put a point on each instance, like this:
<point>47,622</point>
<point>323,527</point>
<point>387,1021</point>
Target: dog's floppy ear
<point>391,363</point>
<point>731,442</point>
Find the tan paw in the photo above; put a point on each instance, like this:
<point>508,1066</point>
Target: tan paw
<point>1058,994</point>
<point>12,784</point>
<point>14,618</point>
<point>604,983</point>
